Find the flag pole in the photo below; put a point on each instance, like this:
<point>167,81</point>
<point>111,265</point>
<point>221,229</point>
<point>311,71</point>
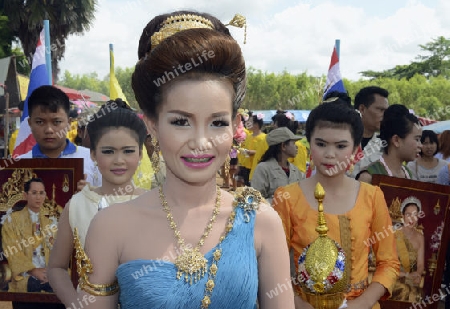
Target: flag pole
<point>111,71</point>
<point>48,52</point>
<point>337,43</point>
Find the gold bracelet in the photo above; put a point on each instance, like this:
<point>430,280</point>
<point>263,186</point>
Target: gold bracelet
<point>84,268</point>
<point>99,289</point>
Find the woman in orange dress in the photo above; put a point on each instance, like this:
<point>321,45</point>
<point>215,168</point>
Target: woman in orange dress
<point>355,212</point>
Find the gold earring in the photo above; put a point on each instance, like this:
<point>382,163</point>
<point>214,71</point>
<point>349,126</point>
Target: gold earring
<point>155,155</point>
<point>351,167</point>
<point>227,166</point>
<point>95,176</point>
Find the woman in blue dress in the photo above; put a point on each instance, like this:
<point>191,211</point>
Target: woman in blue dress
<point>188,244</point>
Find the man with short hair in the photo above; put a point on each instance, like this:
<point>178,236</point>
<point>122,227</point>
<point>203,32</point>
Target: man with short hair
<point>370,102</point>
<point>49,120</point>
<point>27,238</point>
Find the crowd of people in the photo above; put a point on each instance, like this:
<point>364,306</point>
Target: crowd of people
<point>174,238</point>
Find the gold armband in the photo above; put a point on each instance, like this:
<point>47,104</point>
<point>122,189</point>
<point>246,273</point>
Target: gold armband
<point>84,268</point>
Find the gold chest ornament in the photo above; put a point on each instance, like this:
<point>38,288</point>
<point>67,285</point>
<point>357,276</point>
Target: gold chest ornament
<point>322,266</point>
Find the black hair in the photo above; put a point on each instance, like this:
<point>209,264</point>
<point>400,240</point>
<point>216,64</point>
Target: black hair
<point>408,205</point>
<point>366,96</point>
<point>335,114</point>
<point>116,114</point>
<point>281,119</point>
<point>433,139</point>
<point>27,185</point>
<point>343,96</point>
<point>397,120</point>
<point>50,98</point>
<point>157,63</point>
<point>73,113</point>
<point>255,119</point>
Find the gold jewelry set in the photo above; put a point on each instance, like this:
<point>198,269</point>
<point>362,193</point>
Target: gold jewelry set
<point>155,155</point>
<point>191,263</point>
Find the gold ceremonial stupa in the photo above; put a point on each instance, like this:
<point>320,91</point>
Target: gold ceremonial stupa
<point>321,266</point>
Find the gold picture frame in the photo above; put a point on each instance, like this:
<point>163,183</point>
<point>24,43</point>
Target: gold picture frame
<point>434,220</point>
<point>60,177</point>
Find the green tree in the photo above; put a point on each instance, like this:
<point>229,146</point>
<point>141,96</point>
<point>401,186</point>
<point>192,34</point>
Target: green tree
<point>6,37</point>
<point>22,65</point>
<point>86,81</point>
<point>66,17</point>
<point>435,62</point>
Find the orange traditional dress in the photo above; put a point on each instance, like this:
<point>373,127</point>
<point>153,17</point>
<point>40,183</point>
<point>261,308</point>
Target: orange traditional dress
<point>367,224</point>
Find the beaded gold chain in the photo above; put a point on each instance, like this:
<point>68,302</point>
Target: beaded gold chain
<point>210,284</point>
<point>191,263</point>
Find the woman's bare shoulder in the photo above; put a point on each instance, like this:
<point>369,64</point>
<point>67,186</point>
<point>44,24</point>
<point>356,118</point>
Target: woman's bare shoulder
<point>124,212</point>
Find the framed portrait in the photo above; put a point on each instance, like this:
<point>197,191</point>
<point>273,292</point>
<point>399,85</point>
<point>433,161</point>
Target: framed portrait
<point>420,217</point>
<point>22,241</point>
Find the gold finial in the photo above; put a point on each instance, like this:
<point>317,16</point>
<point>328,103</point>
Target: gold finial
<point>437,208</point>
<point>174,24</point>
<point>240,22</point>
<point>319,194</point>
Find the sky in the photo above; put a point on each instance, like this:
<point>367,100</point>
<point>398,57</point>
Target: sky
<point>293,35</point>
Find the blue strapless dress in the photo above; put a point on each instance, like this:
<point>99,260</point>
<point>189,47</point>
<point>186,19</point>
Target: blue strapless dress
<point>154,284</point>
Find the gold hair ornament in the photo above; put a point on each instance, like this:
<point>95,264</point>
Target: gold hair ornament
<point>84,268</point>
<point>240,22</point>
<point>179,23</point>
<point>331,99</point>
<point>174,24</point>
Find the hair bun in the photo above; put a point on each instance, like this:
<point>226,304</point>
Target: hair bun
<point>118,102</point>
<point>397,110</point>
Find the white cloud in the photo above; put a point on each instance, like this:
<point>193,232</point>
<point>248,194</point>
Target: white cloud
<point>298,38</point>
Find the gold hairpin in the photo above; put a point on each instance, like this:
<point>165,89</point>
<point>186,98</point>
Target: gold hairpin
<point>331,99</point>
<point>179,23</point>
<point>240,22</point>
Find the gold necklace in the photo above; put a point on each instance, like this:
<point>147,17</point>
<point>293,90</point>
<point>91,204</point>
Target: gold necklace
<point>190,263</point>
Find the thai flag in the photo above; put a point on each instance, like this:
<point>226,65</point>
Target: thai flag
<point>38,77</point>
<point>334,79</point>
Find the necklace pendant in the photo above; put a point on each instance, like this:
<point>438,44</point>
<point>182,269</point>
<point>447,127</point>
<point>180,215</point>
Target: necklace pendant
<point>191,265</point>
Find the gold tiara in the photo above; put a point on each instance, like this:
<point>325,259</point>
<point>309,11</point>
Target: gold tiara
<point>179,23</point>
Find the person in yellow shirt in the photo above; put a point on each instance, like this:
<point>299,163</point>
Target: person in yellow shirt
<point>252,143</point>
<point>280,120</point>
